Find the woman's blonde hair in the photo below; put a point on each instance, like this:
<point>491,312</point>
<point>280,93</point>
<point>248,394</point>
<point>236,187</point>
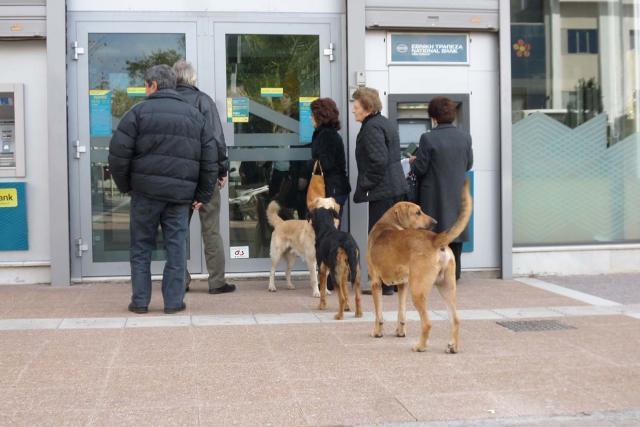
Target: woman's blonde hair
<point>369,99</point>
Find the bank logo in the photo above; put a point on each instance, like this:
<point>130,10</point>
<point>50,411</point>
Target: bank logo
<point>8,198</point>
<point>402,48</point>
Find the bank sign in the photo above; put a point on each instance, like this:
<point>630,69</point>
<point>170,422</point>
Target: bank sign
<point>442,49</point>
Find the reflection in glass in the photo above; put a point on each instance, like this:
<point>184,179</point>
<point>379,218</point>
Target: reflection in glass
<point>117,63</point>
<point>576,132</point>
<point>270,81</point>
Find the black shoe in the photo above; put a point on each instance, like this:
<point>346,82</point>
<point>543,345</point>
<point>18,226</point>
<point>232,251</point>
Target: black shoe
<point>175,310</point>
<point>365,291</point>
<point>226,288</point>
<point>388,290</point>
<point>138,310</point>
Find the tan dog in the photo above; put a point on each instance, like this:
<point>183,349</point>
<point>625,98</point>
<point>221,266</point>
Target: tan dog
<point>290,238</point>
<point>401,251</point>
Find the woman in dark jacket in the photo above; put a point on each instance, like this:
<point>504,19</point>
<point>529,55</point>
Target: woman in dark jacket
<point>442,160</point>
<point>381,181</point>
<point>328,148</point>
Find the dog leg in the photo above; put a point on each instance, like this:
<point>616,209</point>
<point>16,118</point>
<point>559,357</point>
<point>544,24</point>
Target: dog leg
<point>323,287</point>
<point>342,292</point>
<point>356,287</point>
<point>420,302</point>
<point>313,276</point>
<point>272,276</point>
<point>447,288</point>
<point>376,292</point>
<point>345,294</point>
<point>401,329</point>
<point>291,258</point>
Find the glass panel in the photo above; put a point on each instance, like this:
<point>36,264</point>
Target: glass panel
<point>576,132</point>
<point>271,80</point>
<point>117,63</point>
<point>7,130</point>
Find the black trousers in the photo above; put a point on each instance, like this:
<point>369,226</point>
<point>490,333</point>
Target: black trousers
<point>377,208</point>
<point>456,248</point>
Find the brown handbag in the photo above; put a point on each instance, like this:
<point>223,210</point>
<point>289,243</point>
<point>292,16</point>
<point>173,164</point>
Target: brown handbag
<point>316,185</point>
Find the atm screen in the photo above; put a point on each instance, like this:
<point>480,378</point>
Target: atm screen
<point>411,132</point>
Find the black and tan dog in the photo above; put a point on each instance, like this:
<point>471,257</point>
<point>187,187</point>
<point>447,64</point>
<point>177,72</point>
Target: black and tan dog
<point>402,251</point>
<point>337,255</point>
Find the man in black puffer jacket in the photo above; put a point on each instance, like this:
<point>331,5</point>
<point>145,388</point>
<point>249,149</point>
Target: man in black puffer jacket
<point>163,153</point>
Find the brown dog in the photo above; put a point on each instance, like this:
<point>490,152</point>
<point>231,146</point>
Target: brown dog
<point>402,251</point>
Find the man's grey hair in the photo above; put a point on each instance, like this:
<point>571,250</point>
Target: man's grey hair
<point>185,73</point>
<point>163,75</point>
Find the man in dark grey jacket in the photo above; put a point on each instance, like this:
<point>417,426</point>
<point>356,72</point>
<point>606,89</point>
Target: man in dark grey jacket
<point>210,212</point>
<point>163,154</point>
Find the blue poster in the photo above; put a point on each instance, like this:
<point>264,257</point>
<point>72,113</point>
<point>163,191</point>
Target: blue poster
<point>14,234</point>
<point>429,48</point>
<point>238,110</point>
<point>100,112</point>
<point>306,126</point>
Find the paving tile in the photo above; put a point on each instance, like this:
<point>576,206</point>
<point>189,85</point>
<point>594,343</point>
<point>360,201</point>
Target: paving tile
<point>479,315</point>
<point>94,323</point>
<point>25,324</point>
<point>589,310</point>
<point>158,321</point>
<point>247,413</point>
<point>53,418</point>
<point>527,313</point>
<point>217,320</point>
<point>284,318</point>
<point>150,387</point>
<point>168,416</point>
<point>37,376</point>
<point>355,410</point>
<point>437,406</point>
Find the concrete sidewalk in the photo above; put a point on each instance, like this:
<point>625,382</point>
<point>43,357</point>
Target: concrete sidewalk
<point>76,357</point>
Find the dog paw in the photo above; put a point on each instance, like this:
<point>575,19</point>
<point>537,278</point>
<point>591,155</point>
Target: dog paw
<point>419,349</point>
<point>347,308</point>
<point>316,294</point>
<point>376,334</point>
<point>272,289</point>
<point>400,334</point>
<point>358,314</point>
<point>329,292</point>
<point>338,316</point>
<point>451,349</point>
<point>291,286</point>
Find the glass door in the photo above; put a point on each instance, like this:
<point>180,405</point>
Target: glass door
<point>110,81</point>
<point>266,77</point>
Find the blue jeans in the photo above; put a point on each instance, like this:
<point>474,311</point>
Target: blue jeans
<point>146,215</point>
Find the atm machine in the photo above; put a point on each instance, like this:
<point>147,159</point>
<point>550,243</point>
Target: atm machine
<point>410,113</point>
<point>12,160</point>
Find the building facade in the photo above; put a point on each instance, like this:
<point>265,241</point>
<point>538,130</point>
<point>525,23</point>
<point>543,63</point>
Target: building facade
<point>548,89</point>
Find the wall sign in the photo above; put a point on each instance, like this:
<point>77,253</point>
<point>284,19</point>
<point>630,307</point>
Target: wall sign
<point>14,234</point>
<point>239,252</point>
<point>427,48</point>
<point>238,110</point>
<point>306,125</point>
<point>100,112</point>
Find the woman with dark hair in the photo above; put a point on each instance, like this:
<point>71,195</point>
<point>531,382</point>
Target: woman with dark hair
<point>327,147</point>
<point>381,181</point>
<point>442,160</point>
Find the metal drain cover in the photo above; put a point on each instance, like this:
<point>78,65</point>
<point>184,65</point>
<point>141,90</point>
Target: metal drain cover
<point>534,325</point>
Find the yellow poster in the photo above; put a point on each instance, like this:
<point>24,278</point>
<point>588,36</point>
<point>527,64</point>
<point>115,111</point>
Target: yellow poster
<point>271,92</point>
<point>136,91</point>
<point>8,198</point>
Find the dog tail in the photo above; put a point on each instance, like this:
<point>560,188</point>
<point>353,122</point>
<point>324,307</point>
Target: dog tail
<point>353,256</point>
<point>446,237</point>
<point>272,214</point>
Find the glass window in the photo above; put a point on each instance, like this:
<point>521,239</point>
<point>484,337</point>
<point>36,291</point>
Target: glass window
<point>117,63</point>
<point>576,128</point>
<point>271,81</point>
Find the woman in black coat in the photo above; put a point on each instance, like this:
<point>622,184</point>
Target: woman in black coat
<point>327,147</point>
<point>381,181</point>
<point>442,160</point>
